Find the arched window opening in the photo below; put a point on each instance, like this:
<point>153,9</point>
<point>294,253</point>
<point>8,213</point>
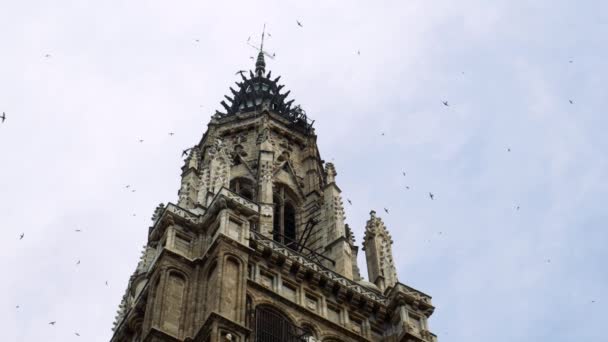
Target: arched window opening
<point>284,220</point>
<point>276,224</point>
<point>272,326</point>
<point>289,219</point>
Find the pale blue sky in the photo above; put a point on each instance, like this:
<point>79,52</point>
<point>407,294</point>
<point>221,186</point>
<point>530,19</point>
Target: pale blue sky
<point>120,71</point>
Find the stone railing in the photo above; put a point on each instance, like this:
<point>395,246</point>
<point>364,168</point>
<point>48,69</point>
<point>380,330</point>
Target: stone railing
<point>306,262</point>
<point>185,214</point>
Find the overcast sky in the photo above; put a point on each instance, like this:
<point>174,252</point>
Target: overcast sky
<point>120,71</point>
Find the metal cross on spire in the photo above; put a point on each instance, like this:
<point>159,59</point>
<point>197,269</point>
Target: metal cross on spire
<point>260,64</point>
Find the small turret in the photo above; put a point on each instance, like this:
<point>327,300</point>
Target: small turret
<point>379,254</point>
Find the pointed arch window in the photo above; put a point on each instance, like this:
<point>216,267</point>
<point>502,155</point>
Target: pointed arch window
<point>284,221</point>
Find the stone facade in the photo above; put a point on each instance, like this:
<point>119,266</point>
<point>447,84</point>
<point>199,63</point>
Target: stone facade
<point>257,249</point>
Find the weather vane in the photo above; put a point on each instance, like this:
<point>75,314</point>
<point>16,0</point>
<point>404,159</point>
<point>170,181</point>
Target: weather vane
<point>261,48</point>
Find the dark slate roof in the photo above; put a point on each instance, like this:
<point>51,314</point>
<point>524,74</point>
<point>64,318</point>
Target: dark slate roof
<point>259,91</point>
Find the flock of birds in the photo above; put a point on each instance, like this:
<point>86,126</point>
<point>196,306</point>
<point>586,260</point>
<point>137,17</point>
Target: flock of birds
<point>185,153</point>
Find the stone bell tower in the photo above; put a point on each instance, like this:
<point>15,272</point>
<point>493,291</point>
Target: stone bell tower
<point>257,249</point>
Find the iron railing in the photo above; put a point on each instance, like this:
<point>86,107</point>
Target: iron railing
<point>270,326</point>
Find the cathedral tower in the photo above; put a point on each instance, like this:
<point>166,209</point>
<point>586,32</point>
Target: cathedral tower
<point>257,249</point>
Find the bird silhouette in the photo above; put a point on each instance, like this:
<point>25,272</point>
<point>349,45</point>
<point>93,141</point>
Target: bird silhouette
<point>141,140</point>
<point>509,149</point>
<point>386,210</point>
<point>52,323</point>
<point>404,173</point>
<point>128,185</point>
<point>78,262</point>
<point>250,57</point>
<point>358,52</point>
<point>299,23</point>
<point>571,102</point>
<point>171,133</point>
<point>106,283</point>
<point>407,187</point>
<point>240,72</point>
<point>77,334</point>
<point>21,236</point>
<point>17,307</point>
<point>185,152</point>
<point>431,196</point>
<point>133,190</point>
<point>445,103</point>
<point>78,230</point>
<point>248,39</point>
<point>349,202</point>
<point>47,55</point>
<point>517,208</point>
<point>196,40</point>
<point>3,117</point>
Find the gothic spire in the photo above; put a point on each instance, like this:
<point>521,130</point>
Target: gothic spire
<point>260,64</point>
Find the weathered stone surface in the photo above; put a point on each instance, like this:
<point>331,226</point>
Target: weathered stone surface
<point>259,229</point>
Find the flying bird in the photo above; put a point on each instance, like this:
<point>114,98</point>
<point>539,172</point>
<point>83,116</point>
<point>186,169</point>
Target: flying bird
<point>571,102</point>
<point>47,55</point>
<point>240,72</point>
<point>508,149</point>
<point>17,307</point>
<point>52,323</point>
<point>78,230</point>
<point>386,210</point>
<point>407,187</point>
<point>127,186</point>
<point>133,190</point>
<point>77,334</point>
<point>382,134</point>
<point>404,173</point>
<point>269,35</point>
<point>358,52</point>
<point>196,40</point>
<point>299,23</point>
<point>349,202</point>
<point>445,103</point>
<point>171,133</point>
<point>141,140</point>
<point>517,208</point>
<point>106,283</point>
<point>431,196</point>
<point>21,236</point>
<point>78,262</point>
<point>3,117</point>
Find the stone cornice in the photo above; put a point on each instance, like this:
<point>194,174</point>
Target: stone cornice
<point>330,279</point>
<point>401,294</point>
